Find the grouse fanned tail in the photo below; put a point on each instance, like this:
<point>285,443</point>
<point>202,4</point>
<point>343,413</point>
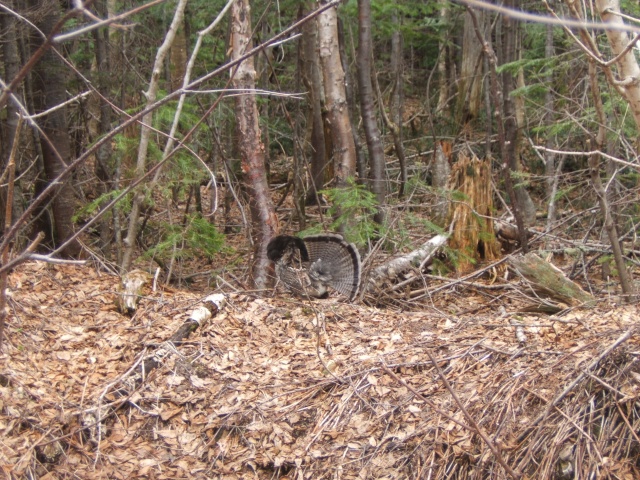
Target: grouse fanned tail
<point>313,265</point>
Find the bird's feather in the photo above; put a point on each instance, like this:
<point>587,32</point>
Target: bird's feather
<point>308,267</point>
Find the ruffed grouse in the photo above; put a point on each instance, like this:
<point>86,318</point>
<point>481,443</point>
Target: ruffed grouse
<point>309,266</point>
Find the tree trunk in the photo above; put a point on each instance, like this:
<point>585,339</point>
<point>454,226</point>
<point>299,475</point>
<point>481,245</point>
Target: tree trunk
<point>104,168</point>
<point>444,80</point>
<point>352,101</point>
<point>395,102</point>
<point>371,130</point>
<point>312,78</point>
<point>178,58</point>
<point>145,136</point>
<point>497,99</point>
<point>513,131</point>
<point>263,218</point>
<point>344,150</point>
<point>628,69</point>
<point>469,98</point>
<point>50,91</point>
<point>9,123</point>
<point>605,208</point>
<point>551,180</point>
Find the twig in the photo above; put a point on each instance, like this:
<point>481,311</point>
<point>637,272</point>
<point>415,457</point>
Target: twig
<point>623,338</point>
<point>475,427</point>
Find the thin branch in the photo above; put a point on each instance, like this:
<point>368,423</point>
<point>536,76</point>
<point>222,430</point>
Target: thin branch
<point>532,17</point>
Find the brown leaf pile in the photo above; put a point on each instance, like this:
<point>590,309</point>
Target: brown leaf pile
<point>284,388</point>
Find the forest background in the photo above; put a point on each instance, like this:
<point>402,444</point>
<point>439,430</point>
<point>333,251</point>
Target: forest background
<point>178,137</point>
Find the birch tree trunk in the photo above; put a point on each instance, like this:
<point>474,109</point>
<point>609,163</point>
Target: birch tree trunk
<point>551,179</point>
<point>264,223</point>
<point>628,82</point>
<point>344,149</point>
<point>312,78</point>
<point>444,80</point>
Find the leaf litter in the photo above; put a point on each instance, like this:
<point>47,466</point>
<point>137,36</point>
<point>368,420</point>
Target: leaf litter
<point>282,388</point>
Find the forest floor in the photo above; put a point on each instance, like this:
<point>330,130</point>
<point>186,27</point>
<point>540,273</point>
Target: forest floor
<point>278,387</point>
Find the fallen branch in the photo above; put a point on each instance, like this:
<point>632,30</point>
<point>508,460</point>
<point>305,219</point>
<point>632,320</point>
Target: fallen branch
<point>623,338</point>
<point>399,265</point>
<point>549,279</point>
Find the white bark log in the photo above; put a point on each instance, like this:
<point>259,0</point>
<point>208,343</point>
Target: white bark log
<point>395,267</point>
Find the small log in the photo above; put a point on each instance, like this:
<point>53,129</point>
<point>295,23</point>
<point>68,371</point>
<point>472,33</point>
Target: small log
<point>395,267</point>
<point>93,418</point>
<point>131,288</point>
<point>549,279</point>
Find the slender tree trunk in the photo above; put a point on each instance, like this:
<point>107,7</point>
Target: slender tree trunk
<point>605,208</point>
<point>178,57</point>
<point>104,168</point>
<point>513,131</point>
<point>371,130</point>
<point>11,60</point>
<point>263,218</point>
<point>312,78</point>
<point>396,100</point>
<point>145,136</point>
<point>551,176</point>
<point>352,100</point>
<point>344,150</point>
<point>444,80</point>
<point>50,92</point>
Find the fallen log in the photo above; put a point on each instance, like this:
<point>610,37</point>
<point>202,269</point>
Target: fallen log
<point>549,279</point>
<point>391,269</point>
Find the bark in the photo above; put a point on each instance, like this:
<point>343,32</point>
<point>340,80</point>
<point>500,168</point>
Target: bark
<point>441,170</point>
<point>104,167</point>
<point>371,130</point>
<point>605,208</point>
<point>313,81</point>
<point>415,259</point>
<point>497,99</point>
<point>145,136</point>
<point>551,179</point>
<point>344,150</point>
<point>628,82</point>
<point>178,58</point>
<point>444,82</point>
<point>312,78</point>
<point>50,83</point>
<point>395,103</point>
<point>263,218</point>
<point>513,130</point>
<point>350,93</point>
<point>470,79</point>
<point>548,279</point>
<point>9,125</point>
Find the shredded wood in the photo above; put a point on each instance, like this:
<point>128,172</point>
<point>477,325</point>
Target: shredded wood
<point>279,388</point>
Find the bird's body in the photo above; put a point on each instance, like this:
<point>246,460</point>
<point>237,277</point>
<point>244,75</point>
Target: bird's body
<point>309,267</point>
